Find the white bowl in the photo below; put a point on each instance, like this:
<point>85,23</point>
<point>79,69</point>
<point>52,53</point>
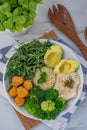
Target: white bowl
<point>14,34</point>
<point>68,53</point>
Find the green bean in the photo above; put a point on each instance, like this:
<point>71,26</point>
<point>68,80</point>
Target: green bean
<point>28,57</point>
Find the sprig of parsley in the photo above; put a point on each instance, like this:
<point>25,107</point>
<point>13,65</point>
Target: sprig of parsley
<point>43,77</point>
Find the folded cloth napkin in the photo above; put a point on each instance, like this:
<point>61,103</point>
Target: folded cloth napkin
<point>58,123</point>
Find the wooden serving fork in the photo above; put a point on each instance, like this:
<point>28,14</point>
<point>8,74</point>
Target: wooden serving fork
<point>62,20</point>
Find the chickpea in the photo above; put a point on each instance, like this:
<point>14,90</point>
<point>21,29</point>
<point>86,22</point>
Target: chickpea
<point>17,80</point>
<point>13,92</point>
<point>28,84</point>
<point>19,101</point>
<point>22,92</point>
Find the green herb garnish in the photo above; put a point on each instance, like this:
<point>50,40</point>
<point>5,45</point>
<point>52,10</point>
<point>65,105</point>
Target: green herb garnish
<point>69,82</point>
<point>43,77</point>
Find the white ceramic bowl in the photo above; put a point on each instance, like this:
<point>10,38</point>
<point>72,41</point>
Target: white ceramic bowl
<point>14,34</point>
<point>68,53</point>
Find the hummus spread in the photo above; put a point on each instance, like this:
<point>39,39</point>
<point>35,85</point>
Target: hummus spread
<point>51,78</point>
<point>67,85</point>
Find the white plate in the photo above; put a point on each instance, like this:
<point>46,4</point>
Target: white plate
<point>68,53</point>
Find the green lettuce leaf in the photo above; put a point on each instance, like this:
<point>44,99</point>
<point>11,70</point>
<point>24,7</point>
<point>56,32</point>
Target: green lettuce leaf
<point>19,19</point>
<point>5,8</point>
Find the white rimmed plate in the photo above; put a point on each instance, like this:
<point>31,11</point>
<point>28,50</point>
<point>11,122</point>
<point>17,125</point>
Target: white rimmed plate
<point>68,53</point>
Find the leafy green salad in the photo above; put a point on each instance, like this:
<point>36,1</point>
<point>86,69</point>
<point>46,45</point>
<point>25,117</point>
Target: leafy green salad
<point>17,14</point>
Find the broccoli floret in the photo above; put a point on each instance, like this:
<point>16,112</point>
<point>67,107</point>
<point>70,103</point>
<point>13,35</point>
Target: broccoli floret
<point>52,115</point>
<point>40,114</point>
<point>44,106</point>
<point>51,94</point>
<point>60,103</point>
<point>31,106</point>
<point>50,110</point>
<point>48,106</point>
<point>37,93</point>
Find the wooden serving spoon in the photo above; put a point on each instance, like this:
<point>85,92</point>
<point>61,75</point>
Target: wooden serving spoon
<point>62,20</point>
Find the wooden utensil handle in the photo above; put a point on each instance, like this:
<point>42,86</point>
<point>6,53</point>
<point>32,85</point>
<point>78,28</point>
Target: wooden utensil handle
<point>81,46</point>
